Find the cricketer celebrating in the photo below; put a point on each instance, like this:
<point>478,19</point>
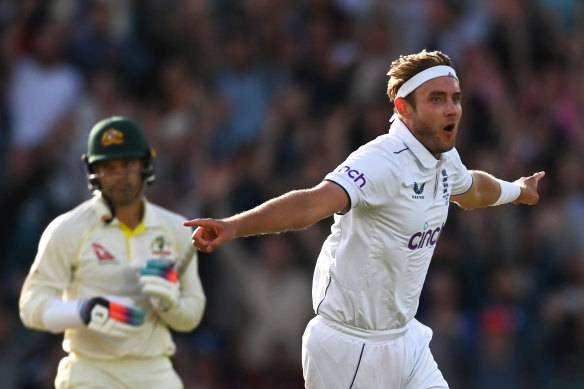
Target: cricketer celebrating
<point>390,200</point>
<point>106,273</point>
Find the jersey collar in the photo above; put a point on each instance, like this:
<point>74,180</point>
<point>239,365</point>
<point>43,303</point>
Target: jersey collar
<point>103,211</point>
<point>405,135</point>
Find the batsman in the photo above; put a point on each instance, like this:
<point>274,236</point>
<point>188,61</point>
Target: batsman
<point>116,274</point>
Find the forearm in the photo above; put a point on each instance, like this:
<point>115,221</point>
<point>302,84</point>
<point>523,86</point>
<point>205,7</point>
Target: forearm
<point>187,314</point>
<point>35,299</point>
<point>488,189</point>
<point>484,192</point>
<point>292,211</point>
<point>62,315</point>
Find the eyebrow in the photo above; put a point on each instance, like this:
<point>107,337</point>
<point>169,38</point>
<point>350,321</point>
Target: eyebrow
<point>442,93</point>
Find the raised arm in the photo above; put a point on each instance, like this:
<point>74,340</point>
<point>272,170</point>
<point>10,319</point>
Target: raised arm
<point>487,190</point>
<point>294,210</point>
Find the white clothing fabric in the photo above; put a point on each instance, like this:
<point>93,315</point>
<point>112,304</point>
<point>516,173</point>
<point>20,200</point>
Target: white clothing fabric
<point>372,267</point>
<point>81,373</point>
<point>337,356</point>
<point>80,256</point>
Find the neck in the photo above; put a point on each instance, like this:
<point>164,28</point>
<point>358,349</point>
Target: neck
<point>131,215</point>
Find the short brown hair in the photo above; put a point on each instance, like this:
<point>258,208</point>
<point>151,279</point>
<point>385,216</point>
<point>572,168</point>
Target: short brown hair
<point>407,66</point>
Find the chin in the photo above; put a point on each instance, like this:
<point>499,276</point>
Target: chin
<point>124,199</point>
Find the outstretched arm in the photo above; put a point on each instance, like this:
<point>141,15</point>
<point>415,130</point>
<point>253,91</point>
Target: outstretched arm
<point>294,210</point>
<point>486,190</point>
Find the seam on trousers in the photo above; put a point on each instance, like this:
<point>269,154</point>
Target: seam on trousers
<point>358,364</point>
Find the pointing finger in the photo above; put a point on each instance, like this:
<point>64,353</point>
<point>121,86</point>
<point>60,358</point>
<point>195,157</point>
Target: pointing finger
<point>192,223</point>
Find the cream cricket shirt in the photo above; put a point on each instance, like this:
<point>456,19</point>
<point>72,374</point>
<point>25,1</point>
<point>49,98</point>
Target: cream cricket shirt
<point>371,268</point>
<point>80,257</point>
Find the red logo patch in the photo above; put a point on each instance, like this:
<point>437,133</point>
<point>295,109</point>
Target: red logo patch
<point>102,254</point>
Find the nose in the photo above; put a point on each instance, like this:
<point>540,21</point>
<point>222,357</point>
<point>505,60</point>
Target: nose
<point>452,108</point>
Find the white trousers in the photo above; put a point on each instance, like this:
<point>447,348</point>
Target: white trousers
<point>336,356</point>
<point>128,373</point>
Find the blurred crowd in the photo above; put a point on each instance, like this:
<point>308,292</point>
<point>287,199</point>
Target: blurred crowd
<point>245,99</point>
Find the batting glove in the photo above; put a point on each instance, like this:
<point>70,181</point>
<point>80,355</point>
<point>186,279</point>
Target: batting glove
<point>159,280</point>
<point>111,318</point>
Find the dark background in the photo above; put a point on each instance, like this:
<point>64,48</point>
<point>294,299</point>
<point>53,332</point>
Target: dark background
<point>246,99</point>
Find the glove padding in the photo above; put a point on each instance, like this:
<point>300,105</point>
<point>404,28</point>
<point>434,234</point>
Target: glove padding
<point>112,318</point>
<point>159,280</point>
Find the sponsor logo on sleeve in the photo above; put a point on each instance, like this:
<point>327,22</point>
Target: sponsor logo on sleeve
<point>355,175</point>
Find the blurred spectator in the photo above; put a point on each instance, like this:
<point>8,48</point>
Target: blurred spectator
<point>247,99</point>
<point>452,330</point>
<point>41,96</point>
<point>102,41</point>
<point>40,100</point>
<point>497,365</point>
<point>277,305</point>
<point>245,93</point>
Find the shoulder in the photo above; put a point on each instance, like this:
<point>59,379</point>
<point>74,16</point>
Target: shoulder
<point>83,214</point>
<point>70,226</point>
<point>164,217</point>
<point>372,168</point>
<point>379,158</point>
<point>165,213</point>
<point>387,148</point>
<point>452,155</point>
<point>453,162</point>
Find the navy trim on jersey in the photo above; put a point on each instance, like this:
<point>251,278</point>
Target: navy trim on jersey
<point>350,205</point>
<point>358,364</point>
<point>397,152</point>
<point>325,290</point>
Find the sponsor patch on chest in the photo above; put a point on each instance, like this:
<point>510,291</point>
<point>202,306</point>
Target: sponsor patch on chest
<point>104,256</point>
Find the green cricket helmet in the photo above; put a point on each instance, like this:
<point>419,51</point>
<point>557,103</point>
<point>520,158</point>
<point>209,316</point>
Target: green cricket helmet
<point>118,138</point>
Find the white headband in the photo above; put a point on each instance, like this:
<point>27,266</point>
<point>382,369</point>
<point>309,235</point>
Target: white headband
<point>426,75</point>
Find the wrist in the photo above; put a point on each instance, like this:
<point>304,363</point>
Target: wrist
<point>62,315</point>
<point>509,192</point>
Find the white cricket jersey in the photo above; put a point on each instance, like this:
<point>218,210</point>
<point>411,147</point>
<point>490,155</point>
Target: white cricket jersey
<point>372,266</point>
<point>80,256</point>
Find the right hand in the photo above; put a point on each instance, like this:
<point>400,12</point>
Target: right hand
<point>159,280</point>
<point>210,233</point>
<point>528,186</point>
<point>112,318</point>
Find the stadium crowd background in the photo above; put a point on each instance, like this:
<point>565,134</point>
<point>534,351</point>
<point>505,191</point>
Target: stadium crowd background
<point>246,99</point>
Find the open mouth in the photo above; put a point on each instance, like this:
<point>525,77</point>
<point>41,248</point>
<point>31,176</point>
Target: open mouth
<point>449,128</point>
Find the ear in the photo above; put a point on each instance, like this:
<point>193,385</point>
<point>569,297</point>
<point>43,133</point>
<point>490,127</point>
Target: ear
<point>402,107</point>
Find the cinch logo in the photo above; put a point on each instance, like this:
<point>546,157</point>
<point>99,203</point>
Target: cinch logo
<point>425,238</point>
<point>355,175</point>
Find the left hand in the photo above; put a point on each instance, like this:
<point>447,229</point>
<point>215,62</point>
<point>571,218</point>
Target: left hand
<point>528,186</point>
<point>159,280</point>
